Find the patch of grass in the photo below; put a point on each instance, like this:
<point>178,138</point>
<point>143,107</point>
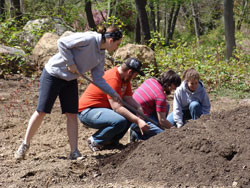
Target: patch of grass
<point>234,94</point>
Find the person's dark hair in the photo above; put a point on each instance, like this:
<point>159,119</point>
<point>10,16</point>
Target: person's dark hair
<point>168,78</point>
<point>190,74</point>
<point>111,32</point>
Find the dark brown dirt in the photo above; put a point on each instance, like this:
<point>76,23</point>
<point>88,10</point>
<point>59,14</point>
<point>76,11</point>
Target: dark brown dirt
<point>213,151</point>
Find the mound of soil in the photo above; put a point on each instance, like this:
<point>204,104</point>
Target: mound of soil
<point>213,150</point>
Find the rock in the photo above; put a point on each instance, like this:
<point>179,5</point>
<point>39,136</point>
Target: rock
<point>234,184</point>
<point>5,50</point>
<point>12,60</point>
<point>33,28</point>
<point>66,33</point>
<point>142,52</point>
<point>44,49</point>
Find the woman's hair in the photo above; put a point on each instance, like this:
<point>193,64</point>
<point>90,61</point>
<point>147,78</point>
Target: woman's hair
<point>110,32</point>
<point>169,77</point>
<point>190,74</point>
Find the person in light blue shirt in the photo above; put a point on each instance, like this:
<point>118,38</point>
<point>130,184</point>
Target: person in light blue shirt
<point>190,99</point>
<point>78,53</point>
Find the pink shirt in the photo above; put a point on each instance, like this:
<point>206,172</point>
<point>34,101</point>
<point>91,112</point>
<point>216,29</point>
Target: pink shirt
<point>151,96</point>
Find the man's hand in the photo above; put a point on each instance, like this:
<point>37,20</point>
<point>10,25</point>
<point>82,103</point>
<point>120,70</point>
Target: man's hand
<point>143,126</point>
<point>73,69</point>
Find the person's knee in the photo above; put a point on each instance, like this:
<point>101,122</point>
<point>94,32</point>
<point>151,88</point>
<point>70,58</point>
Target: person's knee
<point>195,110</point>
<point>120,124</point>
<point>40,114</point>
<point>194,105</point>
<point>71,117</point>
<point>170,118</point>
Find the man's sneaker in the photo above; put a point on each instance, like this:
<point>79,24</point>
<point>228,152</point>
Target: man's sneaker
<point>75,155</point>
<point>93,146</point>
<point>132,136</point>
<point>22,150</point>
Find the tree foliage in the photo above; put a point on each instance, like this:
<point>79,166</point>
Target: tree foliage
<point>171,29</point>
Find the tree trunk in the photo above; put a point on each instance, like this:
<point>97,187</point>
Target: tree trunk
<point>115,9</point>
<point>2,10</point>
<point>60,4</point>
<point>89,15</point>
<point>172,22</point>
<point>22,6</point>
<point>109,9</point>
<point>165,20</point>
<point>16,9</point>
<point>137,31</point>
<point>175,19</point>
<point>244,13</point>
<point>196,20</point>
<point>103,18</point>
<point>158,16</point>
<point>152,16</point>
<point>171,14</point>
<point>229,26</point>
<point>143,18</point>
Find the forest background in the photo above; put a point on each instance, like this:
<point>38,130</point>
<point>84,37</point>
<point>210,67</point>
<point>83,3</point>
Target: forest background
<point>211,36</point>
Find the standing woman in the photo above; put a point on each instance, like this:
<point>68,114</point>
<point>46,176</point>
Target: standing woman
<point>78,53</point>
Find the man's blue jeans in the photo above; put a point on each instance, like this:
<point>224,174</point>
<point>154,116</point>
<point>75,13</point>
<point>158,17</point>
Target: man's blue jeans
<point>111,125</point>
<point>154,129</point>
<point>194,112</point>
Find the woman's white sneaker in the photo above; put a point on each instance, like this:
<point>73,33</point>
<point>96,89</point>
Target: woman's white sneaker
<point>22,150</point>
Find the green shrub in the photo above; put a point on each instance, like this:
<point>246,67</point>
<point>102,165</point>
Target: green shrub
<point>216,72</point>
<point>10,65</point>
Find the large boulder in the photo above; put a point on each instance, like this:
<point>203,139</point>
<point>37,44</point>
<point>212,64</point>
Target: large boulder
<point>142,52</point>
<point>33,28</point>
<point>46,48</point>
<point>66,33</point>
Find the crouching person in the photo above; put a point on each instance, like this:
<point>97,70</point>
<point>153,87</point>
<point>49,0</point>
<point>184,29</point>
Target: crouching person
<point>190,99</point>
<point>99,111</point>
<point>151,95</point>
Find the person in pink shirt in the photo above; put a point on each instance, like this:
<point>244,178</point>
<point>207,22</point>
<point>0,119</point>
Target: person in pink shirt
<point>151,95</point>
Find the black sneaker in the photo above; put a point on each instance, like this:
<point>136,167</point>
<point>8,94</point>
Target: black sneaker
<point>75,155</point>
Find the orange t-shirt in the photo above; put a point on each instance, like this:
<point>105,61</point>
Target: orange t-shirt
<point>93,97</point>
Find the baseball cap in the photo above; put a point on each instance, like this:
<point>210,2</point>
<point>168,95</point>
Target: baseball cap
<point>135,65</point>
